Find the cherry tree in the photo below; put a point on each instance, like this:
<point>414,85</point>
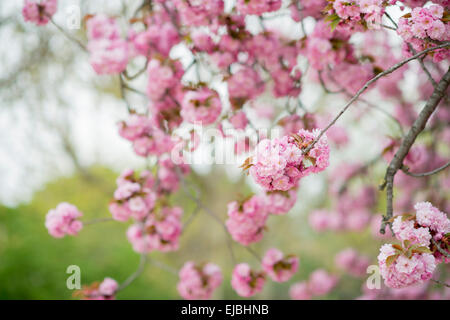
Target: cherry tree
<point>234,60</point>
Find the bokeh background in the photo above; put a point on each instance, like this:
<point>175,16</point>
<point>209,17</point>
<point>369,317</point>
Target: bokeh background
<point>58,142</point>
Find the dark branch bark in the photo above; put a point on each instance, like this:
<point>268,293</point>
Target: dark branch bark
<point>397,162</point>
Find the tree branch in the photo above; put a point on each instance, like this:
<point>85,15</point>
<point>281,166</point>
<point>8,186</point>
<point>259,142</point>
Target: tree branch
<point>424,174</point>
<point>417,127</point>
<point>438,247</point>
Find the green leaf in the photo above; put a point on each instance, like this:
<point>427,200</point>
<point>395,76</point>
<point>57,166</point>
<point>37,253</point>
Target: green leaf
<point>331,17</point>
<point>406,244</point>
<point>421,250</point>
<point>391,259</point>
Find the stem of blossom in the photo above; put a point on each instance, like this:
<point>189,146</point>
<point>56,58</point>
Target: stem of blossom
<point>68,36</point>
<point>322,83</point>
<point>136,274</point>
<point>424,174</point>
<point>122,92</point>
<point>98,220</point>
<point>438,247</point>
<point>392,20</point>
<point>191,217</point>
<point>366,86</point>
<point>371,105</point>
<point>417,127</point>
<point>138,73</point>
<point>163,266</point>
<point>253,253</point>
<point>200,204</point>
<point>441,283</point>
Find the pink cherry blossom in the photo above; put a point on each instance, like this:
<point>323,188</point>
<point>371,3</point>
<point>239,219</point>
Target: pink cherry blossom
<point>201,106</point>
<point>63,220</point>
<point>39,12</point>
<point>280,163</point>
<point>198,281</point>
<point>109,54</point>
<point>352,262</point>
<point>321,282</point>
<point>280,202</point>
<point>278,267</point>
<point>405,271</point>
<point>245,281</point>
<point>246,221</point>
<point>160,231</point>
<point>257,7</point>
<point>300,291</point>
<point>108,287</point>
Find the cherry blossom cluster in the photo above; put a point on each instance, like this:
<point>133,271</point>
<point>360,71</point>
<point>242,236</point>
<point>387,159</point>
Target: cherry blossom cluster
<point>420,228</point>
<point>241,66</point>
<point>39,12</point>
<point>279,164</point>
<point>293,123</point>
<point>198,282</point>
<point>275,265</point>
<point>278,267</point>
<point>352,262</point>
<point>247,282</point>
<point>109,53</point>
<point>247,219</point>
<point>280,202</point>
<point>160,231</point>
<point>63,220</point>
<point>257,7</point>
<point>104,290</point>
<point>423,25</point>
<point>320,283</point>
<point>405,266</point>
<point>147,138</point>
<point>306,8</point>
<point>133,197</point>
<point>416,259</point>
<point>357,14</point>
<point>201,106</point>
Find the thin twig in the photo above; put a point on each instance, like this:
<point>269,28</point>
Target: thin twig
<point>424,174</point>
<point>441,283</point>
<point>200,204</point>
<point>136,274</point>
<point>69,36</point>
<point>98,220</point>
<point>366,86</point>
<point>438,247</point>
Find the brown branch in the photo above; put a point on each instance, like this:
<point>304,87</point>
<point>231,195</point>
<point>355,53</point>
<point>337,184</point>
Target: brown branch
<point>438,247</point>
<point>417,127</point>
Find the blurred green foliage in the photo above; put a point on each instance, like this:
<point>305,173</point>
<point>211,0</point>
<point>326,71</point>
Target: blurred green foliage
<point>33,264</point>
